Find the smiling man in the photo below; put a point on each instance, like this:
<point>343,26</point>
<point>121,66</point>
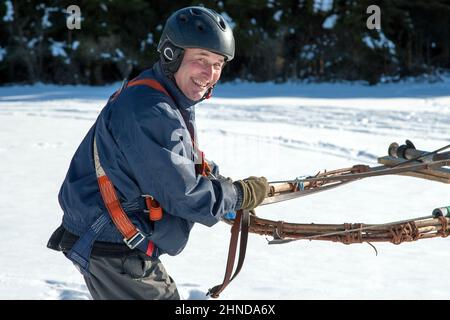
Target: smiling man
<point>138,182</point>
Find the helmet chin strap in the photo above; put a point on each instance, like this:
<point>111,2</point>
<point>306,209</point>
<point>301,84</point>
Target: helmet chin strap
<point>208,93</point>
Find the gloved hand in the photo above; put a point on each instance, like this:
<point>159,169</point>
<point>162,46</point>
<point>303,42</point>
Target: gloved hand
<point>253,191</point>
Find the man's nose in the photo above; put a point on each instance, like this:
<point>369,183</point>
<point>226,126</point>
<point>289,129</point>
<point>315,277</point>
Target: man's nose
<point>208,70</point>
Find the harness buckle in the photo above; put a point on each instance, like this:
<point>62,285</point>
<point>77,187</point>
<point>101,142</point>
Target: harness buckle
<point>147,196</point>
<point>135,240</point>
<point>154,209</point>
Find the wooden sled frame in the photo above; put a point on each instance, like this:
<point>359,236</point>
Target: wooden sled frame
<point>440,174</point>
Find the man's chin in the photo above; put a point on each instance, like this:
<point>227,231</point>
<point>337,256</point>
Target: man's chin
<point>195,96</point>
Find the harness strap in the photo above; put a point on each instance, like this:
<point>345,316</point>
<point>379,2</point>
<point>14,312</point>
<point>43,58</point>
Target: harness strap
<point>81,251</point>
<point>136,82</point>
<point>241,225</point>
<point>132,235</point>
<point>202,168</point>
<point>150,83</point>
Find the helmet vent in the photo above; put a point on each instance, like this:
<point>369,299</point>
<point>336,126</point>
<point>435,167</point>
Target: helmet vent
<point>222,24</point>
<point>183,18</point>
<point>200,26</point>
<point>196,12</point>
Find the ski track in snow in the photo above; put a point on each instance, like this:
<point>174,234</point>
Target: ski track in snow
<point>379,122</point>
<point>360,120</point>
<point>60,290</point>
<point>48,289</point>
<point>319,147</point>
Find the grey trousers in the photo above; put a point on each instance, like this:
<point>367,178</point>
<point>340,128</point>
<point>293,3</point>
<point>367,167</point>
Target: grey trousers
<point>133,277</point>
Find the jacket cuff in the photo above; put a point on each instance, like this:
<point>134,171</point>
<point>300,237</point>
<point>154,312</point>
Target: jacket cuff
<point>240,195</point>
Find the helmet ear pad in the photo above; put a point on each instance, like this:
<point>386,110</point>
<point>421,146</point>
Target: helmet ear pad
<point>171,58</point>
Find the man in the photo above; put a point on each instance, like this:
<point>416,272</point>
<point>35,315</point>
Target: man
<point>138,176</point>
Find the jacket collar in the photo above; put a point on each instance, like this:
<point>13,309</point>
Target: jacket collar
<point>180,99</point>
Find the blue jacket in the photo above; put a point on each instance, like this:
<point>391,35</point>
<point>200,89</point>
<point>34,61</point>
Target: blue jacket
<point>144,143</point>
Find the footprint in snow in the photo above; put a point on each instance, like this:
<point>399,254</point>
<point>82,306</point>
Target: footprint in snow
<point>68,291</point>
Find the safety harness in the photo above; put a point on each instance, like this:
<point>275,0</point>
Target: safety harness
<point>132,236</point>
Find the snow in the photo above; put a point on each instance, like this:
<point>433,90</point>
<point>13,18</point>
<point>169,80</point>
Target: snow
<point>277,15</point>
<point>45,18</point>
<point>307,52</point>
<point>330,22</point>
<point>32,42</point>
<point>119,54</point>
<point>9,16</point>
<point>322,5</point>
<point>379,43</point>
<point>270,3</point>
<point>75,44</point>
<point>57,48</point>
<point>279,131</point>
<point>149,40</point>
<point>3,53</point>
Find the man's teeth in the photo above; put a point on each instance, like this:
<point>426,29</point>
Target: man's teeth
<point>199,83</point>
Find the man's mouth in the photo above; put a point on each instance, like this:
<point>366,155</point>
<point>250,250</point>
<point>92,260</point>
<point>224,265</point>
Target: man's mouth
<point>200,84</point>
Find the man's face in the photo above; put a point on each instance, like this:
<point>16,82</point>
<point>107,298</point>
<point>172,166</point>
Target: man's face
<point>199,71</point>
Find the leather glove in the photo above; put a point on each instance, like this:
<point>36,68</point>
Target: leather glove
<point>253,191</point>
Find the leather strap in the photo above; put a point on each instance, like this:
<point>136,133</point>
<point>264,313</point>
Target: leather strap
<point>241,225</point>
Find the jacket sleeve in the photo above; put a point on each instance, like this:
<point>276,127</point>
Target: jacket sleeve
<point>152,138</point>
<point>214,168</point>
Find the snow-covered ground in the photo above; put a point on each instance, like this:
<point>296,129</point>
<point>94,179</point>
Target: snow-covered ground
<point>279,131</point>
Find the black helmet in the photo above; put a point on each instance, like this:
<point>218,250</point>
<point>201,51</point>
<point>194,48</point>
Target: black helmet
<point>194,27</point>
